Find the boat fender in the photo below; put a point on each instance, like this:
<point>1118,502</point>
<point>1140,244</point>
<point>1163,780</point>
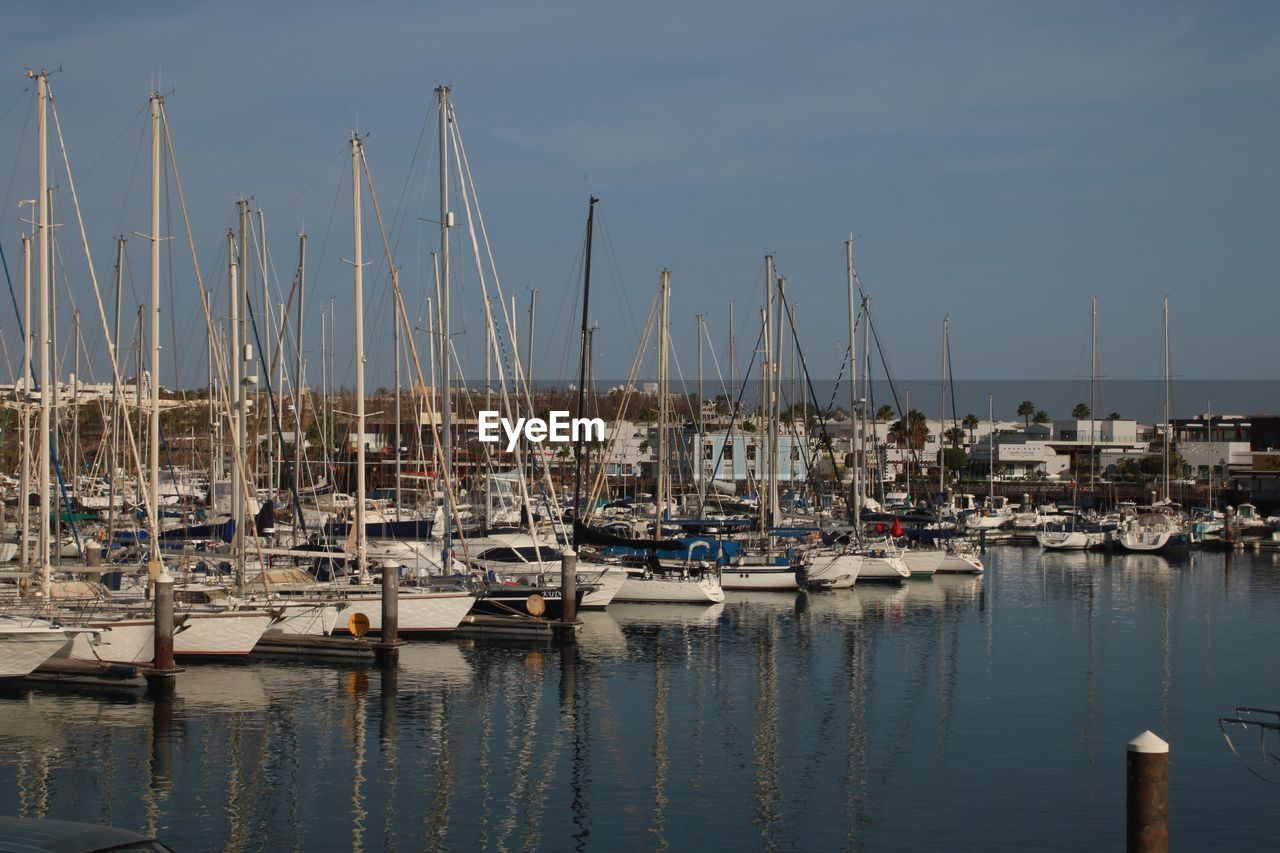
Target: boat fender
<point>535,605</point>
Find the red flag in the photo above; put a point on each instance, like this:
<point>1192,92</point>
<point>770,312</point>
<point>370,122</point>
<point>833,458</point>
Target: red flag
<point>879,527</point>
<point>896,530</point>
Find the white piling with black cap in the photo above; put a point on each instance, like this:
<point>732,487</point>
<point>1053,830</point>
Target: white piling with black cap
<point>1147,794</point>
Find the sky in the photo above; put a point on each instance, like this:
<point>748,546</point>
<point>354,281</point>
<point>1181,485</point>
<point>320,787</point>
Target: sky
<point>999,163</point>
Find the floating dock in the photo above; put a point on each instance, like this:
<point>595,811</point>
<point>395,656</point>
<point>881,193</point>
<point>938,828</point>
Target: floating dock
<point>317,646</point>
<point>82,673</point>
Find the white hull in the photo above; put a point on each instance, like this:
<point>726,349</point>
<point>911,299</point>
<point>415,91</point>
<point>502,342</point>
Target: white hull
<point>123,641</point>
<point>704,590</point>
<point>960,562</point>
<point>986,522</point>
<point>24,649</point>
<point>233,633</point>
<point>1069,540</point>
<point>884,569</point>
<point>923,561</point>
<point>8,550</point>
<point>610,579</point>
<point>308,618</point>
<point>419,612</point>
<point>777,578</point>
<point>833,570</point>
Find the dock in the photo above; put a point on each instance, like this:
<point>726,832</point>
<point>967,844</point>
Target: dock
<point>83,673</point>
<point>315,646</point>
<point>523,627</point>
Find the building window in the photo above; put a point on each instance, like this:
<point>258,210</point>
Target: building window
<point>751,453</point>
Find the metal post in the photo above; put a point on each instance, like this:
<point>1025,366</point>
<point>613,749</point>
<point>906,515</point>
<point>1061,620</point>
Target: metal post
<point>569,586</point>
<point>387,648</point>
<point>1147,795</point>
<point>160,678</point>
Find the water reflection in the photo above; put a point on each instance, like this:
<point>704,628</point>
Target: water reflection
<point>771,721</point>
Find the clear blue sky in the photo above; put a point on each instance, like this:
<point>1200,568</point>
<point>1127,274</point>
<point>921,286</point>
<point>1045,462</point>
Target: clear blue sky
<point>1000,161</point>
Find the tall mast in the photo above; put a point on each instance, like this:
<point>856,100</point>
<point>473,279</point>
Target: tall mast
<point>395,334</point>
<point>866,396</point>
<point>855,485</point>
<point>661,485</point>
<point>446,368</point>
<point>991,419</point>
<point>237,447</point>
<point>765,407</point>
<point>267,354</point>
<point>942,416</point>
<point>1093,383</point>
<point>24,485</point>
<point>42,156</point>
<point>775,400</point>
<point>153,496</point>
<point>697,455</point>
<point>582,364</point>
<point>733,369</point>
<point>533,308</point>
<point>357,261</point>
<point>297,376</point>
<point>1167,426</point>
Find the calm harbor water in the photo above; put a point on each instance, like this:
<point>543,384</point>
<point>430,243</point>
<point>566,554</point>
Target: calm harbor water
<point>955,713</point>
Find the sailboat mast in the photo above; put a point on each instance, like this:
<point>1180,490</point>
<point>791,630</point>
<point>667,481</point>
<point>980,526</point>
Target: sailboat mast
<point>697,455</point>
<point>267,354</point>
<point>1093,385</point>
<point>533,308</point>
<point>764,407</point>
<point>446,368</point>
<point>153,449</point>
<point>1167,425</point>
<point>24,479</point>
<point>991,443</point>
<point>582,363</point>
<point>396,336</point>
<point>942,415</point>
<point>663,331</point>
<point>775,401</point>
<point>298,439</point>
<point>357,260</point>
<point>855,484</point>
<point>42,155</point>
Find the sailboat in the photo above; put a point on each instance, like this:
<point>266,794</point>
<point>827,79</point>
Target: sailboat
<point>1076,534</point>
<point>1159,528</point>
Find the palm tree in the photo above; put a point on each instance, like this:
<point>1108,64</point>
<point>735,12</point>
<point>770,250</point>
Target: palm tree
<point>1080,412</point>
<point>970,423</point>
<point>1026,409</point>
<point>1042,417</point>
<point>884,413</point>
<point>914,434</point>
<point>1114,416</point>
<point>955,435</point>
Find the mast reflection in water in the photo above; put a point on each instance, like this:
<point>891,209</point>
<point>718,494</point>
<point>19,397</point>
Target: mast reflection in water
<point>863,719</point>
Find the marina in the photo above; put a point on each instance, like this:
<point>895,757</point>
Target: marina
<point>434,429</point>
<point>838,720</point>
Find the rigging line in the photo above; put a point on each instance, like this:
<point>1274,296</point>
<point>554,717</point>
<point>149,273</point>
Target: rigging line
<point>804,366</point>
<point>15,102</point>
<point>323,171</point>
<point>619,281</point>
<point>733,412</point>
<point>141,111</point>
<point>133,172</point>
<point>173,301</point>
<point>102,316</point>
<point>17,154</point>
